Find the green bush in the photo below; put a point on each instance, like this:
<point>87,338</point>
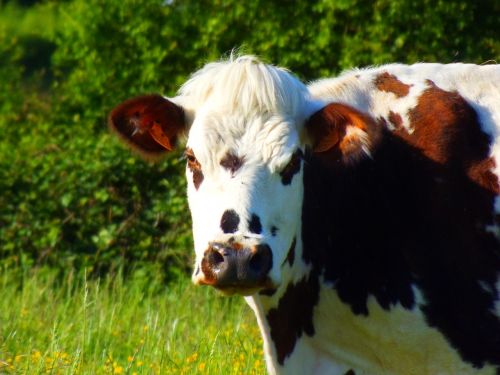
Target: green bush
<point>76,198</point>
<point>71,196</point>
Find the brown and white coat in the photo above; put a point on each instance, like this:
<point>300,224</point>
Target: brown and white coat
<point>358,215</point>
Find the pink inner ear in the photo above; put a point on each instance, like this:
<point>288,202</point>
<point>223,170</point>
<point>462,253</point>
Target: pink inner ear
<point>328,141</point>
<point>159,136</point>
<point>150,124</point>
<point>342,133</point>
<point>326,128</point>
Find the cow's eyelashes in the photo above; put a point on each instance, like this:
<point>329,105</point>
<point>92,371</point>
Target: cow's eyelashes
<point>292,168</point>
<point>195,167</point>
<point>189,155</point>
<point>192,162</point>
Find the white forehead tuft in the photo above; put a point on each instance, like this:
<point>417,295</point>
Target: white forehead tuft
<point>249,108</point>
<point>269,140</point>
<point>248,86</point>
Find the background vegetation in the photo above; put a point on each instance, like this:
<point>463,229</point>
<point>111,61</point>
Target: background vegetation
<point>70,196</point>
<point>95,243</point>
<point>77,325</point>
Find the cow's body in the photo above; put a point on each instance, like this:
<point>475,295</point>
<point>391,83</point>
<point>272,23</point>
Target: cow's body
<point>390,262</point>
<point>402,245</point>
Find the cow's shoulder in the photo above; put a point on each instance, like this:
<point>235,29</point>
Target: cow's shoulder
<point>396,88</point>
<point>423,211</point>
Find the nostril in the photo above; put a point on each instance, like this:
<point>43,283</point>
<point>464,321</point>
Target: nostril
<point>255,262</point>
<point>261,261</point>
<point>215,258</point>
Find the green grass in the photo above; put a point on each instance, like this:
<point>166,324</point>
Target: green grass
<point>137,325</point>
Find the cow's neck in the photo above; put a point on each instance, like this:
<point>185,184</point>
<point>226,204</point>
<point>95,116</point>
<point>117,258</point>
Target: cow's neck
<point>286,314</point>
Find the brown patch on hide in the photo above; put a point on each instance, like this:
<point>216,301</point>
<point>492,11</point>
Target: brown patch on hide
<point>294,315</point>
<point>390,83</point>
<point>447,130</point>
<point>396,120</point>
<point>482,174</point>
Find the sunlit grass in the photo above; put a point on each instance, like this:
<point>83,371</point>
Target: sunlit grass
<point>73,325</point>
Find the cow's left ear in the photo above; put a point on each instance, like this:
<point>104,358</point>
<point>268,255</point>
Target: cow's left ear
<point>149,124</point>
<point>340,133</point>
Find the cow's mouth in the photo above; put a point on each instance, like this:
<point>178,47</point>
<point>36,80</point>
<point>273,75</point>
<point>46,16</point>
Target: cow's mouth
<point>242,291</point>
<point>237,289</point>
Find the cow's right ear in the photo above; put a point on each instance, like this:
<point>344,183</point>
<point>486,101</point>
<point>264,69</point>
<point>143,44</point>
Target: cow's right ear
<point>149,124</point>
<point>339,133</point>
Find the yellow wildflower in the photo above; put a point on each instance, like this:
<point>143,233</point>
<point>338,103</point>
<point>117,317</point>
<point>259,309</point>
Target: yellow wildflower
<point>118,370</point>
<point>36,355</point>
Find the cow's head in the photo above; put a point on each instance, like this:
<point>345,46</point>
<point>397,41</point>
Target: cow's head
<point>248,125</point>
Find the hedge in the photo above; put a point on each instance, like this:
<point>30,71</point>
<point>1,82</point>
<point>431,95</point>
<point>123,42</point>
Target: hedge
<point>71,196</point>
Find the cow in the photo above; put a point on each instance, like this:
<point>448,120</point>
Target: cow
<point>359,216</point>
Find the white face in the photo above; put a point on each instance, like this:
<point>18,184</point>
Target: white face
<point>244,191</point>
<point>244,165</point>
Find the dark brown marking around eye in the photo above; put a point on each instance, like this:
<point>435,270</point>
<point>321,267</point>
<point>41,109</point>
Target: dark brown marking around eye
<point>195,167</point>
<point>231,162</point>
<point>292,168</point>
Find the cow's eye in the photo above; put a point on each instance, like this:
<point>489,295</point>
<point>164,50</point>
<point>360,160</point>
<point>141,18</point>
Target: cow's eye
<point>292,168</point>
<point>192,163</point>
<point>195,167</point>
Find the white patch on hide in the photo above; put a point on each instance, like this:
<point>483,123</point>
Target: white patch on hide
<point>385,342</point>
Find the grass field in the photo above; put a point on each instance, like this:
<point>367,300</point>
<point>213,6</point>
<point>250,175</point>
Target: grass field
<point>137,325</point>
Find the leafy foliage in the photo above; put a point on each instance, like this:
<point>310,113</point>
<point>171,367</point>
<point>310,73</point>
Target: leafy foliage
<point>70,195</point>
